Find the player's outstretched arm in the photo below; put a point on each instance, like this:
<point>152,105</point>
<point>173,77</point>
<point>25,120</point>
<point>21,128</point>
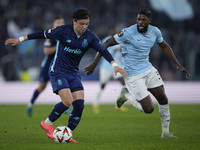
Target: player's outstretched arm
<point>16,41</point>
<point>35,35</point>
<point>90,69</point>
<point>168,51</point>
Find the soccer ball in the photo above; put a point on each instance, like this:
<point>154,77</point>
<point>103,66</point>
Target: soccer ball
<point>62,134</point>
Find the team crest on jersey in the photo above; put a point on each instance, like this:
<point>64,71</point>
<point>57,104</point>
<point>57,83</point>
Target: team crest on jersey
<point>120,34</point>
<point>152,38</point>
<point>59,82</point>
<point>85,43</point>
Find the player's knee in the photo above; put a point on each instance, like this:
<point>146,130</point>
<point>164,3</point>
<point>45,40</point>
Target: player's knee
<point>103,86</point>
<point>148,110</point>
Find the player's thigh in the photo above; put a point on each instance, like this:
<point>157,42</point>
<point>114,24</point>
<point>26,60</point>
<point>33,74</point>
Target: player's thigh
<point>147,104</point>
<point>159,94</point>
<point>156,86</point>
<point>105,75</point>
<point>44,74</point>
<point>137,87</point>
<point>153,79</point>
<point>42,86</point>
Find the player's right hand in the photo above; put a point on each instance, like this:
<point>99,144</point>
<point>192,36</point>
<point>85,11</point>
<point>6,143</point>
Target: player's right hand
<point>12,41</point>
<point>120,70</point>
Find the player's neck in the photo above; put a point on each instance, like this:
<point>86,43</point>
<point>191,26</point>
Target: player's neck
<point>77,34</point>
<point>145,32</point>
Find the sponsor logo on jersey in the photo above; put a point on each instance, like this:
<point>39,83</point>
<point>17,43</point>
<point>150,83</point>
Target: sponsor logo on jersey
<point>85,43</point>
<point>75,51</point>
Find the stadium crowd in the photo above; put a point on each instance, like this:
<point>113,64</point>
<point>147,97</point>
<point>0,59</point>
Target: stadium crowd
<point>23,16</point>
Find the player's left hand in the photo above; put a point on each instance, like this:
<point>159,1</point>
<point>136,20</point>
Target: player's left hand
<point>120,70</point>
<point>182,69</point>
<point>89,69</point>
<point>12,41</point>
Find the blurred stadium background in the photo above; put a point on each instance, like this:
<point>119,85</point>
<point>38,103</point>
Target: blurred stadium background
<point>178,20</point>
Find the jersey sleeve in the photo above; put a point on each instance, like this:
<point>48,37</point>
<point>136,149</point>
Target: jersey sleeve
<point>55,33</point>
<point>97,44</point>
<point>121,36</point>
<point>159,38</point>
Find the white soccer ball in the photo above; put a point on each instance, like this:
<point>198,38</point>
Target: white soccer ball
<point>62,134</point>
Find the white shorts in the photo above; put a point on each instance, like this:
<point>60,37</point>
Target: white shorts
<point>106,75</point>
<point>138,85</point>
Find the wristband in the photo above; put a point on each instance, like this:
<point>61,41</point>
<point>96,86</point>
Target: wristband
<point>114,64</point>
<point>21,39</point>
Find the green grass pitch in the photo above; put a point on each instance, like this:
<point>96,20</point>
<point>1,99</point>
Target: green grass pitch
<point>109,130</point>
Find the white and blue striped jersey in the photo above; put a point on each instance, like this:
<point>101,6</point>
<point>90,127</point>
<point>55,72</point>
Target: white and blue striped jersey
<point>136,47</point>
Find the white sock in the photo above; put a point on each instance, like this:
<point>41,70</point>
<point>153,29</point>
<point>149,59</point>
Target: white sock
<point>48,122</point>
<point>134,102</point>
<point>123,87</point>
<point>30,104</point>
<point>165,117</point>
<point>96,102</point>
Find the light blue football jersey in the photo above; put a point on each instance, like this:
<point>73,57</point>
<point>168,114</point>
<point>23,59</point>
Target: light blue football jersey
<point>136,47</point>
<point>115,51</point>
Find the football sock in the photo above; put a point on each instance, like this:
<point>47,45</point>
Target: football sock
<point>48,122</point>
<point>35,95</point>
<point>96,102</point>
<point>123,87</point>
<point>76,114</point>
<point>30,104</point>
<point>134,102</point>
<point>165,117</point>
<point>57,111</point>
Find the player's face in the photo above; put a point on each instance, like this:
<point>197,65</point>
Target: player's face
<point>142,23</point>
<point>58,22</point>
<point>80,26</point>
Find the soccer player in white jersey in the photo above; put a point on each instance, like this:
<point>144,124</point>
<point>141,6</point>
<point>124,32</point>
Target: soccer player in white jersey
<point>106,74</point>
<point>136,42</point>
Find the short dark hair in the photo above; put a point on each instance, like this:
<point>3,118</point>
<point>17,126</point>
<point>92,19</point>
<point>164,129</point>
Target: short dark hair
<point>81,13</point>
<point>58,17</point>
<point>146,12</point>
